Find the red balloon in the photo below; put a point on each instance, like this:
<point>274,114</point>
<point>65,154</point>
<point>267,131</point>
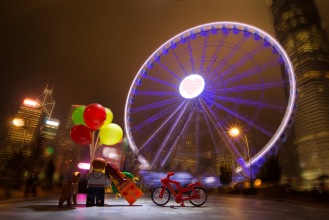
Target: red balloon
<point>94,116</point>
<point>81,134</point>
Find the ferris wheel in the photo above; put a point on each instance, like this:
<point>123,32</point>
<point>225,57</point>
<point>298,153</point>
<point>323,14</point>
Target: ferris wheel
<point>199,84</point>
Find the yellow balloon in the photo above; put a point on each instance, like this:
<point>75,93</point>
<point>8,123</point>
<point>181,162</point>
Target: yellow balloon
<point>109,117</point>
<point>110,134</point>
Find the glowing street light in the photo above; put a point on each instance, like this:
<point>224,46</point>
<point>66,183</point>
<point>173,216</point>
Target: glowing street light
<point>234,132</point>
<point>20,122</point>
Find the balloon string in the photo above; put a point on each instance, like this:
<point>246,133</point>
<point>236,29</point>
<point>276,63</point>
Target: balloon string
<point>95,144</point>
<point>92,150</point>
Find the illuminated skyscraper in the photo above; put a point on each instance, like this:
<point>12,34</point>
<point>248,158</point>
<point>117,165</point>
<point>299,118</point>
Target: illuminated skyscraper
<point>22,139</point>
<point>46,145</point>
<point>68,153</point>
<point>298,28</point>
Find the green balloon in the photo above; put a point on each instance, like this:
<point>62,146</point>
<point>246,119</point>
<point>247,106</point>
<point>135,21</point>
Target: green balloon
<point>77,115</point>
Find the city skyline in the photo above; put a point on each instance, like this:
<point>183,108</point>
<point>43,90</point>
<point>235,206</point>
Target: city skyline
<point>80,48</point>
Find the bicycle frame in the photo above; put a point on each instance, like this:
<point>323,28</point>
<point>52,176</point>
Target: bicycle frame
<point>166,183</point>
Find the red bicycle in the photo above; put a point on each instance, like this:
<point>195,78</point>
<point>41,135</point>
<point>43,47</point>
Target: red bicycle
<point>161,195</point>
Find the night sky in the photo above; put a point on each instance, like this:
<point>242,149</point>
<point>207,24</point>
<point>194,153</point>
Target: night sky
<point>91,50</point>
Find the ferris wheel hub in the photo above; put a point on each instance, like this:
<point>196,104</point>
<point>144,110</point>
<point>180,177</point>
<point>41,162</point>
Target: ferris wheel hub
<point>191,86</point>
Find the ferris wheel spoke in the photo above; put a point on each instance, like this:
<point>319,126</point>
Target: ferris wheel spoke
<point>182,131</point>
<point>203,56</point>
<point>252,103</point>
<point>155,117</point>
<point>251,87</point>
<point>211,132</point>
<point>251,72</point>
<point>169,71</point>
<point>182,106</point>
<point>215,55</point>
<point>223,134</point>
<point>155,93</point>
<point>161,103</point>
<point>249,56</point>
<point>169,133</point>
<point>191,55</point>
<point>197,131</point>
<point>162,82</point>
<point>179,62</point>
<point>225,60</point>
<point>242,118</point>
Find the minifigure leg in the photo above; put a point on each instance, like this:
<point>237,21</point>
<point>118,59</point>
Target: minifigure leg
<point>100,197</point>
<point>90,197</point>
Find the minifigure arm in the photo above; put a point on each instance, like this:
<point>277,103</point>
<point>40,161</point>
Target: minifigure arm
<point>130,176</point>
<point>115,191</point>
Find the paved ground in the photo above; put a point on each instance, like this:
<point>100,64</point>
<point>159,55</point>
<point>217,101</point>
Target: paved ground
<point>216,207</point>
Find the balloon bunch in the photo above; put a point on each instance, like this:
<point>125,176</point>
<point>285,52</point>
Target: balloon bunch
<point>91,120</point>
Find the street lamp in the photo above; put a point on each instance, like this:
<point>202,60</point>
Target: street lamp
<point>234,132</point>
<point>20,122</point>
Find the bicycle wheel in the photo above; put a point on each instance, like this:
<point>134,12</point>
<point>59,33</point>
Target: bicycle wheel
<point>201,200</point>
<point>156,196</point>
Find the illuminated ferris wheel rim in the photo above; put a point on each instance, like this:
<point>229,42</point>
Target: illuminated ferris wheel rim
<point>215,26</point>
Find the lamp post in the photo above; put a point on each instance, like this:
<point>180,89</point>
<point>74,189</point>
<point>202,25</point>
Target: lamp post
<point>234,132</point>
<point>20,122</point>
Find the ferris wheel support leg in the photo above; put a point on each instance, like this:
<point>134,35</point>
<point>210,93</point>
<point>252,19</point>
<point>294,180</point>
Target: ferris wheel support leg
<point>220,130</point>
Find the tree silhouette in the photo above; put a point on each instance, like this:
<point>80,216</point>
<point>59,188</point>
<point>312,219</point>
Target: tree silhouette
<point>225,176</point>
<point>14,167</point>
<point>270,172</point>
<point>50,170</point>
<point>46,176</point>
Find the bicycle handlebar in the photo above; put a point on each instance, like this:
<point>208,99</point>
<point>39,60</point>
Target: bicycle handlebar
<point>170,174</point>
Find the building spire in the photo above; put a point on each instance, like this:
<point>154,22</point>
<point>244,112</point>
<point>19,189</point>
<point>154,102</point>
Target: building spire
<point>47,101</point>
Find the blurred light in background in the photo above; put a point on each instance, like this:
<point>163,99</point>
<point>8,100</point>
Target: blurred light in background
<point>84,166</point>
<point>111,153</point>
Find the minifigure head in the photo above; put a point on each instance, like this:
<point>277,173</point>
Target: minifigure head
<point>98,164</point>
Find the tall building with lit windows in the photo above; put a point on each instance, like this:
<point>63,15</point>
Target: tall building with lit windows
<point>298,28</point>
<point>22,139</point>
<point>68,153</point>
<point>46,145</point>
